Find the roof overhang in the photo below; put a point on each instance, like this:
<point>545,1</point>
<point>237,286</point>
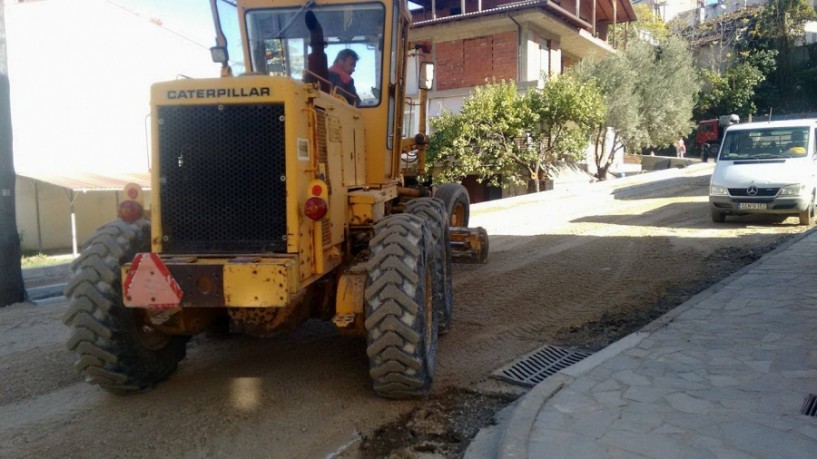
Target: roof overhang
<point>544,17</point>
<point>607,11</point>
<point>88,181</point>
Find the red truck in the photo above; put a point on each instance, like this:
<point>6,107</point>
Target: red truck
<point>710,133</point>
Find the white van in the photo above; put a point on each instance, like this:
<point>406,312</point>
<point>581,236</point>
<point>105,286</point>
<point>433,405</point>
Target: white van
<point>766,168</point>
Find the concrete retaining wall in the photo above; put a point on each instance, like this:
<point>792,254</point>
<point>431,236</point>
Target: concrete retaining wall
<point>655,163</point>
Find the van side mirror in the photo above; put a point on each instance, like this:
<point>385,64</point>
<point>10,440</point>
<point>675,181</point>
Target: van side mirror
<point>426,75</point>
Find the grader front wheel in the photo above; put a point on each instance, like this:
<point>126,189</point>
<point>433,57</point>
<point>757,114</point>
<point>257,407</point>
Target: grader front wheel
<point>401,324</point>
<point>117,349</point>
<point>434,212</point>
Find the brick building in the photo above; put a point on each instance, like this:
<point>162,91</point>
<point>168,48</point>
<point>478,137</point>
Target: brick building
<point>477,41</point>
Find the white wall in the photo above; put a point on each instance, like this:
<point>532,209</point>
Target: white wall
<point>44,214</point>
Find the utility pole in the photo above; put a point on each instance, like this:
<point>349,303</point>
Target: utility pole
<point>12,289</point>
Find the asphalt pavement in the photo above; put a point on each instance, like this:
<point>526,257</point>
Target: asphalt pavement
<point>731,373</point>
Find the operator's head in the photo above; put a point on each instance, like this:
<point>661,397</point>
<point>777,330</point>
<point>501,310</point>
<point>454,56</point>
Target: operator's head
<point>347,60</point>
<point>797,136</point>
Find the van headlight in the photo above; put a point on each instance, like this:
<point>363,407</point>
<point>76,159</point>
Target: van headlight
<point>796,189</point>
<point>717,190</point>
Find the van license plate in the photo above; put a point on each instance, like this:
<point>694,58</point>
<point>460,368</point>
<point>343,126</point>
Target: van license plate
<point>752,205</point>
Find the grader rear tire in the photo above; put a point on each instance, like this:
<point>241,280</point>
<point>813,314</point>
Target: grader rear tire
<point>401,324</point>
<point>433,210</point>
<point>457,203</point>
<point>116,349</point>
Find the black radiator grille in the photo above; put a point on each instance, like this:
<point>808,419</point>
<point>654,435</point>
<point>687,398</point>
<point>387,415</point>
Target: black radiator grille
<point>223,184</point>
<point>759,192</point>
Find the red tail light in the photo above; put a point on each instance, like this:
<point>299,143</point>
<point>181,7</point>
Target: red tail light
<point>129,211</point>
<point>315,208</point>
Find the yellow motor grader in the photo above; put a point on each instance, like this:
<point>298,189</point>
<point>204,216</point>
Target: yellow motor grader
<point>276,198</point>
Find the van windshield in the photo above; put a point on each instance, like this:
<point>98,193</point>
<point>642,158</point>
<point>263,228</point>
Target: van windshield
<point>768,143</point>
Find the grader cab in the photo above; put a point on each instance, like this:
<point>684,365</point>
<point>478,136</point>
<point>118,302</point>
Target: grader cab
<point>277,197</point>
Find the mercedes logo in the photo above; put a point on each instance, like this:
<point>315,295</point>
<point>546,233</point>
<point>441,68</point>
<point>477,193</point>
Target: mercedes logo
<point>751,191</point>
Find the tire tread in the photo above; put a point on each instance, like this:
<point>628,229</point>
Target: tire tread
<point>394,292</point>
<point>104,331</point>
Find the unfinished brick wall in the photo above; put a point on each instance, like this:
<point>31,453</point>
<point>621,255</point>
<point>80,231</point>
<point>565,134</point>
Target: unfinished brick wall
<point>475,61</point>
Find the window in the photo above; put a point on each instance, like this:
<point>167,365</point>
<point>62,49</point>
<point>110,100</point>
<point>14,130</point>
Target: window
<point>279,42</point>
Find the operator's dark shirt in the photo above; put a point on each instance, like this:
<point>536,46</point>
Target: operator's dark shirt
<point>351,92</point>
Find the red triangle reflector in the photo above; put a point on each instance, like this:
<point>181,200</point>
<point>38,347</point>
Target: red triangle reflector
<point>150,284</point>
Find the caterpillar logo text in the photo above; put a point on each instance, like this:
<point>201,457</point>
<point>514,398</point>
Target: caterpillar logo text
<point>220,92</point>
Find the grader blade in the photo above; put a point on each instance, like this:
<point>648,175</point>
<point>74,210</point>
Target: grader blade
<point>468,245</point>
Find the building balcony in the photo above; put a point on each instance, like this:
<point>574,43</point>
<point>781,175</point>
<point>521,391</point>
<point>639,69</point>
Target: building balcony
<point>592,17</point>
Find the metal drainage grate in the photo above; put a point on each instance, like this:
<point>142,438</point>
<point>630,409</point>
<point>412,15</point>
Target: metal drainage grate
<point>533,368</point>
<point>809,406</point>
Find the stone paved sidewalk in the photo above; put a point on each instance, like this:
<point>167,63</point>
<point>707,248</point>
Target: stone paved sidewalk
<point>725,375</point>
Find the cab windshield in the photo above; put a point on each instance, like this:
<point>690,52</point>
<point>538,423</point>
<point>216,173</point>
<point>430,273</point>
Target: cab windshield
<point>770,143</point>
<point>279,42</point>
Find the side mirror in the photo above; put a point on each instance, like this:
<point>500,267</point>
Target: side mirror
<point>426,75</point>
<point>219,54</point>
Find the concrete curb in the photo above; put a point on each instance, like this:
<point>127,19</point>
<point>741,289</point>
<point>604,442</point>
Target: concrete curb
<point>513,441</point>
<point>515,438</point>
<point>47,282</point>
<point>46,271</point>
<point>45,292</point>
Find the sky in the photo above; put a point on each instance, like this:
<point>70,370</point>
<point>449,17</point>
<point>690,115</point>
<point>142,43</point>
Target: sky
<point>81,71</point>
<point>80,74</point>
<point>190,18</point>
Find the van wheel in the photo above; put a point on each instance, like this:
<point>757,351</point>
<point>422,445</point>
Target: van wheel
<point>807,216</point>
<point>718,216</point>
<point>713,151</point>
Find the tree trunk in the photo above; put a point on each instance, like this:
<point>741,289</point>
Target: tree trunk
<point>785,72</point>
<point>602,163</point>
<point>610,158</point>
<point>596,147</point>
<point>533,183</point>
<point>11,275</point>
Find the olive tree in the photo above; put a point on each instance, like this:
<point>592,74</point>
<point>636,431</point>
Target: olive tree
<point>649,92</point>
